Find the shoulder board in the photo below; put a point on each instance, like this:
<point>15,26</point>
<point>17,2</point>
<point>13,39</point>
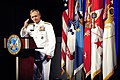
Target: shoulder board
<point>47,23</point>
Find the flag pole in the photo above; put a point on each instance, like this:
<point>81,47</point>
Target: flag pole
<point>17,59</point>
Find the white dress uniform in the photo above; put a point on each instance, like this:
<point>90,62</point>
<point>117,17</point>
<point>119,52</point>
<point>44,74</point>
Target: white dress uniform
<point>44,36</point>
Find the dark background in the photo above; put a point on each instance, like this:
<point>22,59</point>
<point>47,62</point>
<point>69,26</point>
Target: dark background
<point>13,13</point>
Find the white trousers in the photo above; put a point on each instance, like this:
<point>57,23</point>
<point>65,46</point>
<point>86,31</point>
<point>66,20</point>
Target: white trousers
<point>46,70</point>
<point>45,67</point>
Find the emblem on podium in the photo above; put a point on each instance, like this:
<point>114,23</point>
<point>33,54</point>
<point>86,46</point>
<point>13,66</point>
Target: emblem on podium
<point>14,44</point>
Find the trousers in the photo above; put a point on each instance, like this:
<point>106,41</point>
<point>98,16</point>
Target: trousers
<point>41,67</point>
<point>38,59</point>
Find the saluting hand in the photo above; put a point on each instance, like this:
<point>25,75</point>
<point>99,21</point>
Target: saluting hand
<point>26,23</point>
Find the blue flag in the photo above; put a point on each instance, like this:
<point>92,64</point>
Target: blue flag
<point>78,56</point>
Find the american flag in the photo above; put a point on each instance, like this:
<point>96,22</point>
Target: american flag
<point>64,35</point>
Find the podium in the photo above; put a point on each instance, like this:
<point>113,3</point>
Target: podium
<point>24,56</point>
<point>26,59</point>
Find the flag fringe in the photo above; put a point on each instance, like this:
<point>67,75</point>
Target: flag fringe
<point>79,68</point>
<point>95,73</point>
<point>110,74</point>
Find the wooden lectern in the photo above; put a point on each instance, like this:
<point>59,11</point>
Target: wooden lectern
<point>24,59</point>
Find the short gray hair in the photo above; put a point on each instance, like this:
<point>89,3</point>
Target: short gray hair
<point>31,11</point>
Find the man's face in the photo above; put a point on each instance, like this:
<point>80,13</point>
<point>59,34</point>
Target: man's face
<point>35,17</point>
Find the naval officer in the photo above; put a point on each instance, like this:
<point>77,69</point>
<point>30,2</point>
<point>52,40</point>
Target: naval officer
<point>43,34</point>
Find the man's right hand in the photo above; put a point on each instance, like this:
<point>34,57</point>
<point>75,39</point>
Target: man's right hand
<point>26,23</point>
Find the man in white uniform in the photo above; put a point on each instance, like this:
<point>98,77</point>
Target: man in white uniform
<point>44,37</point>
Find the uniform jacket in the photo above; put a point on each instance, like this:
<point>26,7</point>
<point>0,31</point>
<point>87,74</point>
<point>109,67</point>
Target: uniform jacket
<point>43,35</point>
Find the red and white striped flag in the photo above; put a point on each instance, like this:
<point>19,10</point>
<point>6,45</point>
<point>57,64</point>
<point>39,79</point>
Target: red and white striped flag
<point>96,36</point>
<point>109,51</point>
<point>64,36</point>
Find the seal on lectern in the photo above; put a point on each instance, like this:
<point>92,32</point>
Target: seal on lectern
<point>14,44</point>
